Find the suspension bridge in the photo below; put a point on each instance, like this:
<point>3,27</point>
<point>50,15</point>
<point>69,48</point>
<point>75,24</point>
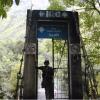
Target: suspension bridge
<point>71,80</point>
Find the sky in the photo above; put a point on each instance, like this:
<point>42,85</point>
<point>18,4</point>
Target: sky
<point>16,18</point>
<point>40,4</point>
<point>28,4</point>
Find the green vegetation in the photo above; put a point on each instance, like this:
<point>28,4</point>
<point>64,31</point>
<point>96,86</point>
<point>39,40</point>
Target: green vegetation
<point>10,54</point>
<point>10,50</point>
<point>5,5</point>
<point>89,16</point>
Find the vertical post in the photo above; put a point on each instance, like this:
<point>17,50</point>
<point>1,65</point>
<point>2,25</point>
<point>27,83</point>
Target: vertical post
<point>29,75</point>
<point>52,52</point>
<point>53,57</point>
<point>69,89</point>
<point>75,72</point>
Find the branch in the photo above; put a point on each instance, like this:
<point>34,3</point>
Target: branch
<point>98,2</point>
<point>97,9</point>
<point>93,4</point>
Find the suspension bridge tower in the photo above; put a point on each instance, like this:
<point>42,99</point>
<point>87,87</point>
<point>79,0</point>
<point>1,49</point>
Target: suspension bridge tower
<point>52,24</point>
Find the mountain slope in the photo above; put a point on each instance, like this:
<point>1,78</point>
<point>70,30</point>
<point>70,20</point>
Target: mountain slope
<point>14,26</point>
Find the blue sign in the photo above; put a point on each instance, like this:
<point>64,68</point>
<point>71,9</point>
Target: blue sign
<point>52,31</point>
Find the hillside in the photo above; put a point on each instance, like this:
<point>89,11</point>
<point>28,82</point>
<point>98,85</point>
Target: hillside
<point>14,26</point>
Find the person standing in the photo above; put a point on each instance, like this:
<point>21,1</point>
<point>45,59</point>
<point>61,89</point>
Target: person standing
<point>47,79</point>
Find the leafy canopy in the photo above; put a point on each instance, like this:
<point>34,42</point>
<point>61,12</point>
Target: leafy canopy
<point>89,15</point>
<point>86,4</point>
<point>5,5</point>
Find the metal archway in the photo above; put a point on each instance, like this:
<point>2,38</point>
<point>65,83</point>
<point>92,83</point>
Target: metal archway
<point>63,25</point>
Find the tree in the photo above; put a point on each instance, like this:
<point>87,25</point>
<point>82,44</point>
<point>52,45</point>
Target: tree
<point>89,13</point>
<point>83,4</point>
<point>10,55</point>
<point>5,5</point>
<point>89,17</point>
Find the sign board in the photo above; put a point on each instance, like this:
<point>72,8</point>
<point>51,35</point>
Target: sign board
<point>50,14</point>
<point>52,31</point>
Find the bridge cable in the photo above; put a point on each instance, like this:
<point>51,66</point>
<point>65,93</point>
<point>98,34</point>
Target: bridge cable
<point>19,84</point>
<point>89,71</point>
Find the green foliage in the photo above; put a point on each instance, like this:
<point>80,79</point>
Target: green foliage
<point>56,5</point>
<point>89,15</point>
<point>88,20</point>
<point>98,78</point>
<point>60,46</point>
<point>69,3</point>
<point>5,5</point>
<point>86,4</point>
<point>10,51</point>
<point>10,54</point>
<point>89,24</point>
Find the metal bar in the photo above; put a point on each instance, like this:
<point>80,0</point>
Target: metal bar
<point>69,89</point>
<point>53,58</point>
<point>50,20</point>
<point>52,52</point>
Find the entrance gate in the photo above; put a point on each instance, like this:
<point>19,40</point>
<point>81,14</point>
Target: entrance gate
<point>56,25</point>
<point>59,61</point>
<point>61,74</point>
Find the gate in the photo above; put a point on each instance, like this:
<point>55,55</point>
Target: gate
<point>59,25</point>
<point>60,60</point>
